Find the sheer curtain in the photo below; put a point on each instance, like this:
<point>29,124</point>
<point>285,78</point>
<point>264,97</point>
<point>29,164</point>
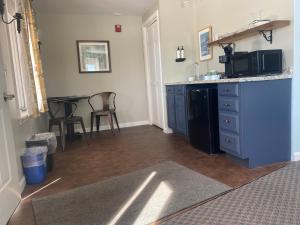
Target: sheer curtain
<point>38,98</point>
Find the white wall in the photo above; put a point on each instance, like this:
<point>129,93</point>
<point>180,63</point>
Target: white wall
<point>229,16</point>
<point>296,87</point>
<point>59,34</point>
<point>176,29</point>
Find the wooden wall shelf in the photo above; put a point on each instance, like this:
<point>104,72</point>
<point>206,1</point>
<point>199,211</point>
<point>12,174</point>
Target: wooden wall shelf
<point>261,29</point>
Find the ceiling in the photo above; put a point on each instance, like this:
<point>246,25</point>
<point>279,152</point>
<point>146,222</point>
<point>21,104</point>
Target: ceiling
<point>106,7</point>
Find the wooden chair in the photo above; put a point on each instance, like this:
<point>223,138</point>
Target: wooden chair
<point>55,106</point>
<point>103,104</point>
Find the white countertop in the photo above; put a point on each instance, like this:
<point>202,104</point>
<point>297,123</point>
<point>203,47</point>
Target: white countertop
<point>235,80</point>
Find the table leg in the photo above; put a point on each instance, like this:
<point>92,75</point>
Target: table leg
<point>70,127</point>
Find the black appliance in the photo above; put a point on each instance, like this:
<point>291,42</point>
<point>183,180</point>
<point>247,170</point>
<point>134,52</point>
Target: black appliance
<point>255,63</point>
<point>203,122</point>
<point>228,61</point>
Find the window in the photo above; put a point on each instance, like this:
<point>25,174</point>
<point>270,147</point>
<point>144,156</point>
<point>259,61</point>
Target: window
<point>32,41</point>
<point>29,78</point>
<point>35,74</point>
<point>19,64</point>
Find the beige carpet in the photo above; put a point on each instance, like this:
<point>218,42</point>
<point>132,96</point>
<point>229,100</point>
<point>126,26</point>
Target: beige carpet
<point>138,198</point>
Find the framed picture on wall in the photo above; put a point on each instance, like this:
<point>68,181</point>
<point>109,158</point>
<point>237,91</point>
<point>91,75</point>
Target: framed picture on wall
<point>94,56</point>
<point>205,36</point>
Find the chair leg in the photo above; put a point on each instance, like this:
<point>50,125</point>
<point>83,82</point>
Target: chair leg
<point>92,123</point>
<point>116,119</point>
<point>62,135</point>
<point>98,123</point>
<point>50,126</point>
<point>111,122</point>
<point>84,131</point>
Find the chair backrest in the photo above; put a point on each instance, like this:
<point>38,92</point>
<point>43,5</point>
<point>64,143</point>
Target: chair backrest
<point>103,101</point>
<point>56,108</point>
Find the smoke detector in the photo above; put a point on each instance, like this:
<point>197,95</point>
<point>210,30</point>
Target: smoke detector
<point>186,3</point>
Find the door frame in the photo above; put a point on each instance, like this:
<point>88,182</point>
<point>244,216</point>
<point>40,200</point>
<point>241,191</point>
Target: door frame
<point>13,187</point>
<point>150,20</point>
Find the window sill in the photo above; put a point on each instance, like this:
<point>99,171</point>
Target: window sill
<point>24,119</point>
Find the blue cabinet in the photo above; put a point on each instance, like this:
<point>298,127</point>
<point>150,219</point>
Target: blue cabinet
<point>229,143</point>
<point>229,104</point>
<point>180,114</point>
<point>177,108</point>
<point>255,121</point>
<point>229,122</point>
<point>171,110</point>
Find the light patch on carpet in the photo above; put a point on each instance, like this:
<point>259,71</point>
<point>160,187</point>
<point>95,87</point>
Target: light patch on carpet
<point>132,199</point>
<point>156,203</point>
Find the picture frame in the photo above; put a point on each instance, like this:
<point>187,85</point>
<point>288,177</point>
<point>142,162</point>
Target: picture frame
<point>204,37</point>
<point>93,56</point>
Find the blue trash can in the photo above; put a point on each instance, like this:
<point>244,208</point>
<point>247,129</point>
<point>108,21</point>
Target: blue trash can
<point>34,164</point>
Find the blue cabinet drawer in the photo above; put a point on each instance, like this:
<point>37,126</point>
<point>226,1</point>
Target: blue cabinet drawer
<point>170,89</point>
<point>180,90</point>
<point>229,104</point>
<point>228,90</point>
<point>230,143</point>
<point>229,122</point>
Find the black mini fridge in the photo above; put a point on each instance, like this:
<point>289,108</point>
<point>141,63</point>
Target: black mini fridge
<point>203,122</point>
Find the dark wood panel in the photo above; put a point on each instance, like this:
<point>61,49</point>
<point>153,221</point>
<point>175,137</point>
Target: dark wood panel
<point>250,32</point>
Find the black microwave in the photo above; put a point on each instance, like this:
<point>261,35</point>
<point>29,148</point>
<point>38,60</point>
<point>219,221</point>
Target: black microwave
<point>255,63</point>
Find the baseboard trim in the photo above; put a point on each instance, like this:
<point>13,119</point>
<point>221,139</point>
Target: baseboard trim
<point>296,156</point>
<point>122,125</point>
<point>22,184</point>
<point>168,131</point>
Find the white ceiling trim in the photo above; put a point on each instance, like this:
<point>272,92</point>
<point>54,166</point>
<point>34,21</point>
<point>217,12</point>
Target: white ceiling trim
<point>101,7</point>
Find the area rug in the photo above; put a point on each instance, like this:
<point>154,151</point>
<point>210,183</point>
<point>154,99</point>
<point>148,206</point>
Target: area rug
<point>271,200</point>
<point>137,198</point>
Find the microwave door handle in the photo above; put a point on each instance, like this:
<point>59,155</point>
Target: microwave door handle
<point>263,64</point>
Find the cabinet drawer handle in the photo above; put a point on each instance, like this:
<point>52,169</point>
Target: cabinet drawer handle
<point>227,121</point>
<point>227,140</point>
<point>227,104</point>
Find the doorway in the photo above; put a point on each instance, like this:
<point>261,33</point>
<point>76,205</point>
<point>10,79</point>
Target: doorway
<point>155,87</point>
<point>9,182</point>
